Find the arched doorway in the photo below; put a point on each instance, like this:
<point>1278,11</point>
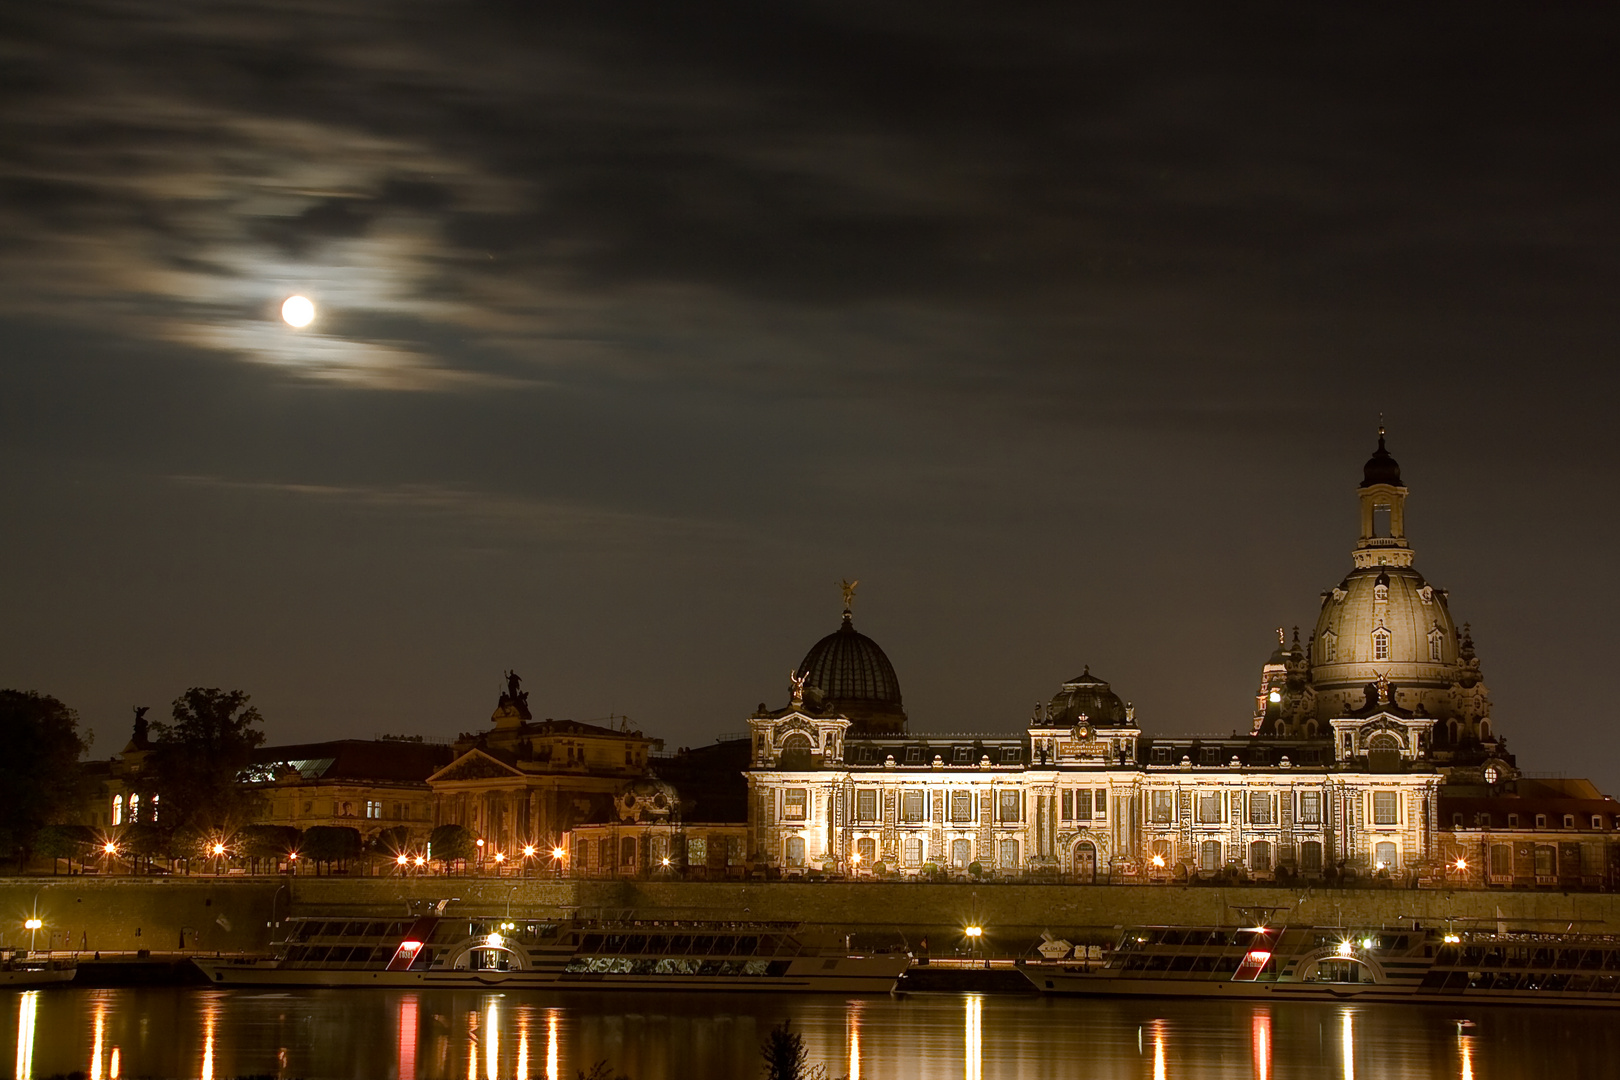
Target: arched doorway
<point>1085,862</point>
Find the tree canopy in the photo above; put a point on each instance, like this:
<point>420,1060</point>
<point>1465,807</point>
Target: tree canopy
<point>40,780</point>
<point>197,759</point>
<point>452,842</point>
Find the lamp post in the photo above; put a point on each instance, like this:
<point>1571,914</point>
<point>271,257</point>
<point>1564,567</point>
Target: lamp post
<point>32,926</point>
<point>219,857</point>
<point>500,859</point>
<point>480,854</point>
<point>557,854</point>
<point>974,935</point>
<point>110,849</point>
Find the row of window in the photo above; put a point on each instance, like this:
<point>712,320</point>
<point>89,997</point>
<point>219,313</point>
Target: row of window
<point>134,812</point>
<point>1263,806</point>
<point>1380,644</point>
<point>1543,821</point>
<point>955,755</point>
<point>1217,755</point>
<point>914,852</point>
<point>916,808</point>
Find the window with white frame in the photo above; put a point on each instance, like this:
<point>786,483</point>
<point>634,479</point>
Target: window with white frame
<point>1009,854</point>
<point>914,851</point>
<point>1010,753</point>
<point>1068,804</point>
<point>1009,805</point>
<point>1082,804</point>
<point>866,804</point>
<point>1209,807</point>
<point>1163,807</point>
<point>1209,855</point>
<point>1384,856</point>
<point>1099,803</point>
<point>1310,808</point>
<point>1435,638</point>
<point>1386,808</point>
<point>961,806</point>
<point>1380,644</point>
<point>911,806</point>
<point>795,803</point>
<point>1259,808</point>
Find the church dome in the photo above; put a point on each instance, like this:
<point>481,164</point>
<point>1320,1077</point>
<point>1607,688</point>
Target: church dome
<point>847,672</point>
<point>1088,696</point>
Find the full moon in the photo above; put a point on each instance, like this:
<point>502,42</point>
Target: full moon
<point>298,311</point>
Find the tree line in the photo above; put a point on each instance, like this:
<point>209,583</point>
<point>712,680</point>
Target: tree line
<point>190,789</point>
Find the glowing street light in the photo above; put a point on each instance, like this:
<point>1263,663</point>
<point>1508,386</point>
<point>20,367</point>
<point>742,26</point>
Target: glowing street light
<point>1462,863</point>
<point>855,861</point>
<point>1158,862</point>
<point>975,931</point>
<point>420,861</point>
<point>402,859</point>
<point>1345,948</point>
<point>32,926</point>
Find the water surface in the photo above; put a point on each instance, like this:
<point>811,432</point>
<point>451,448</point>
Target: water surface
<point>539,1035</point>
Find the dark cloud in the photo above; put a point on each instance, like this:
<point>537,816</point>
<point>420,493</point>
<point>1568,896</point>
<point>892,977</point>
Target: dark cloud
<point>1063,329</point>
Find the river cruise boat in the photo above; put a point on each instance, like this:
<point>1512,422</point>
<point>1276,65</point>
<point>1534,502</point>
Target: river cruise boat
<point>1336,964</point>
<point>20,968</point>
<point>440,950</point>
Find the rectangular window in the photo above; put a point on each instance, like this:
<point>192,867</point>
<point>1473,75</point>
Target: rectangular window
<point>1434,647</point>
<point>1161,755</point>
<point>1260,808</point>
<point>1384,857</point>
<point>697,851</point>
<point>1100,802</point>
<point>1210,856</point>
<point>914,852</point>
<point>1009,805</point>
<point>1310,808</point>
<point>1163,807</point>
<point>1082,804</point>
<point>1068,805</point>
<point>1386,808</point>
<point>1009,753</point>
<point>911,806</point>
<point>1310,857</point>
<point>1210,755</point>
<point>961,806</point>
<point>913,754</point>
<point>795,804</point>
<point>1009,854</point>
<point>964,754</point>
<point>866,804</point>
<point>1209,809</point>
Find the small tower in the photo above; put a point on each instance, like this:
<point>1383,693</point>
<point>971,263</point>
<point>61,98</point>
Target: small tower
<point>1383,512</point>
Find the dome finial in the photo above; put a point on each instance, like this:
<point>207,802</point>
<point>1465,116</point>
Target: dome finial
<point>849,588</point>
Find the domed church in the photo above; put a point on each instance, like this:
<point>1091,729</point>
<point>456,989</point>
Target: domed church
<point>1383,625</point>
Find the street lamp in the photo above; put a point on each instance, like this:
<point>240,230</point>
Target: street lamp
<point>528,854</point>
<point>855,861</point>
<point>974,935</point>
<point>219,853</point>
<point>500,857</point>
<point>557,854</point>
<point>32,926</point>
<point>480,853</point>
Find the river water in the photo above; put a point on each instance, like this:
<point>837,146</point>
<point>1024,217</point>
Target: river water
<point>218,1034</point>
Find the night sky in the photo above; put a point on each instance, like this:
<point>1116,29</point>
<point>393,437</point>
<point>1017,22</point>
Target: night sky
<point>642,325</point>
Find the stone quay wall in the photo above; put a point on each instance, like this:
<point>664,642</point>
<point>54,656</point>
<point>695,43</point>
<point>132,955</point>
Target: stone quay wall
<point>244,914</point>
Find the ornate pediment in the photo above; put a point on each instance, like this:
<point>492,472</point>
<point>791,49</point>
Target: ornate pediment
<point>474,765</point>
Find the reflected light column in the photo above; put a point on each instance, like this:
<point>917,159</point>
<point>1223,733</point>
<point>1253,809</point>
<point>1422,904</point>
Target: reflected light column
<point>407,1037</point>
<point>975,1049</point>
<point>210,1010</point>
<point>1261,1037</point>
<point>854,1040</point>
<point>492,1041</point>
<point>95,1052</point>
<point>1467,1044</point>
<point>27,1007</point>
<point>551,1045</point>
<point>112,1065</point>
<point>1348,1045</point>
<point>523,1044</point>
<point>1158,1050</point>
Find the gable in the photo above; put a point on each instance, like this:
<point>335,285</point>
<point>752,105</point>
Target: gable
<point>474,765</point>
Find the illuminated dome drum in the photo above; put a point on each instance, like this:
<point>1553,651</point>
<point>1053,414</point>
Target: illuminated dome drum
<point>847,672</point>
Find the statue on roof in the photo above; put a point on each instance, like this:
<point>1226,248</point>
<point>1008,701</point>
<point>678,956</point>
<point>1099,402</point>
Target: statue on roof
<point>796,680</point>
<point>141,725</point>
<point>849,588</point>
<point>515,702</point>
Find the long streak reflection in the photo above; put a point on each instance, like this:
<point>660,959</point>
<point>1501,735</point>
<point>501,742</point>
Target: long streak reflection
<point>1261,1038</point>
<point>27,1008</point>
<point>1347,1041</point>
<point>975,1049</point>
<point>523,1044</point>
<point>551,1045</point>
<point>95,1050</point>
<point>492,1041</point>
<point>112,1065</point>
<point>407,1037</point>
<point>854,1040</point>
<point>210,1014</point>
<point>1467,1044</point>
<point>1158,1051</point>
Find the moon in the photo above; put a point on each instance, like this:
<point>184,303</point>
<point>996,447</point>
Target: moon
<point>298,311</point>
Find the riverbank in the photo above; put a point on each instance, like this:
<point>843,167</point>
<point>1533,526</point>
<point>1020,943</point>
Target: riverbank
<point>245,914</point>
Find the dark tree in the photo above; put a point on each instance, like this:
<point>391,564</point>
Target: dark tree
<point>40,781</point>
<point>269,842</point>
<point>452,843</point>
<point>330,844</point>
<point>197,759</point>
<point>392,843</point>
<point>785,1055</point>
<point>58,842</point>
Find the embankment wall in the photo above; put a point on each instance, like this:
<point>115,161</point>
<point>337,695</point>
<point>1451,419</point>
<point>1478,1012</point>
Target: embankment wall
<point>238,914</point>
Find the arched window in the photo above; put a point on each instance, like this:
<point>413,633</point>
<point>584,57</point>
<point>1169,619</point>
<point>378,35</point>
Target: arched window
<point>866,848</point>
<point>796,751</point>
<point>1260,857</point>
<point>1384,857</point>
<point>961,853</point>
<point>1380,592</point>
<point>134,807</point>
<point>795,851</point>
<point>1330,646</point>
<point>1209,856</point>
<point>604,855</point>
<point>1484,729</point>
<point>627,851</point>
<point>1380,644</point>
<point>118,810</point>
<point>1435,638</point>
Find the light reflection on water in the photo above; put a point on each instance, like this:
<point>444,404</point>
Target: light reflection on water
<point>433,1035</point>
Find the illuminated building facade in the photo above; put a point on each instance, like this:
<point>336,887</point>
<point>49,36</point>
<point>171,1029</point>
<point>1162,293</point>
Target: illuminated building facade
<point>1355,738</point>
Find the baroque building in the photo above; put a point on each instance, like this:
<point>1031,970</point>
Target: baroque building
<point>1354,736</point>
